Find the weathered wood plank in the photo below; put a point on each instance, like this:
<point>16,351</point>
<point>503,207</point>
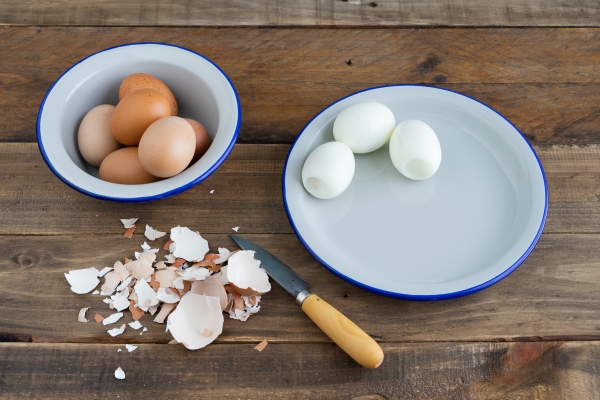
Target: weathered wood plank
<point>544,80</point>
<point>302,13</point>
<point>247,193</point>
<point>553,294</point>
<point>552,370</point>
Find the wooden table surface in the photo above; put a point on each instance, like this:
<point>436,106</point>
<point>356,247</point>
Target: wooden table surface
<point>534,335</point>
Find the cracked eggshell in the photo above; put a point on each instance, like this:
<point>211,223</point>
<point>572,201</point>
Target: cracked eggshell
<point>188,245</point>
<point>211,286</point>
<point>146,296</point>
<point>83,280</point>
<point>245,275</point>
<point>197,320</point>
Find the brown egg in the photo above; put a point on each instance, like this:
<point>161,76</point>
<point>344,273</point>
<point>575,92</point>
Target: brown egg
<point>202,139</point>
<point>167,147</point>
<point>123,166</point>
<point>94,137</point>
<point>136,112</point>
<point>144,81</point>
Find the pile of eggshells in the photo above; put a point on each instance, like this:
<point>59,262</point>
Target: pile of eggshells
<point>141,139</point>
<point>364,127</point>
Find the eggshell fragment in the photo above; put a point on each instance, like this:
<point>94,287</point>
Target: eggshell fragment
<point>94,137</point>
<point>167,295</point>
<point>83,280</point>
<point>136,312</point>
<point>223,255</point>
<point>188,245</point>
<point>146,296</point>
<point>81,317</point>
<point>139,81</point>
<point>111,281</point>
<point>123,167</point>
<point>261,346</point>
<point>119,373</point>
<point>211,286</point>
<point>130,347</point>
<point>167,147</point>
<point>135,113</point>
<point>98,318</point>
<point>202,139</point>
<point>153,234</point>
<point>164,312</point>
<point>129,223</point>
<point>197,321</point>
<point>111,319</point>
<point>116,331</point>
<point>245,275</point>
<point>135,325</point>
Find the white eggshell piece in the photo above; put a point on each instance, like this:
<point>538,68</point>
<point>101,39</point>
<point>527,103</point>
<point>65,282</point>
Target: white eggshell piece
<point>146,295</point>
<point>364,127</point>
<point>188,245</point>
<point>328,170</point>
<point>415,150</point>
<point>197,320</point>
<point>111,319</point>
<point>119,373</point>
<point>116,331</point>
<point>244,272</point>
<point>83,280</point>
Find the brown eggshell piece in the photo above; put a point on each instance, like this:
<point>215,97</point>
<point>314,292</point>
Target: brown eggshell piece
<point>94,137</point>
<point>167,146</point>
<point>123,166</point>
<point>211,287</point>
<point>202,139</point>
<point>135,113</point>
<point>145,81</point>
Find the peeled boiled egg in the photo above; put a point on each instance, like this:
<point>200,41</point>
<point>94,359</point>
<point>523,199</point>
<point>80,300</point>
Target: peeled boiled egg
<point>364,127</point>
<point>94,137</point>
<point>167,147</point>
<point>328,170</point>
<point>123,166</point>
<point>138,81</point>
<point>134,114</point>
<point>415,150</point>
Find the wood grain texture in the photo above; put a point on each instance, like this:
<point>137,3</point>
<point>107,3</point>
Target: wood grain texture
<point>507,371</point>
<point>302,13</point>
<point>552,296</point>
<point>247,193</point>
<point>545,81</point>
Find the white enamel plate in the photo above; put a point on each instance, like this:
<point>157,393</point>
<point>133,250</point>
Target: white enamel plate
<point>464,229</point>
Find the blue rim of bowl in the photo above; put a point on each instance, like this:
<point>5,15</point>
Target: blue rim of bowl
<point>159,196</point>
<point>404,296</point>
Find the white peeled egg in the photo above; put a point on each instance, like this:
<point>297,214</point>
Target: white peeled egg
<point>364,127</point>
<point>415,150</point>
<point>328,170</point>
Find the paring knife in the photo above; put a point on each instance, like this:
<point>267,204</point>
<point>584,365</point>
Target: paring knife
<point>353,340</point>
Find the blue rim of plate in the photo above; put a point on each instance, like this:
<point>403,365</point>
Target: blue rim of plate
<point>404,296</point>
<point>159,196</point>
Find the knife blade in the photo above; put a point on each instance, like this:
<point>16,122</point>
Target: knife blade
<point>345,333</point>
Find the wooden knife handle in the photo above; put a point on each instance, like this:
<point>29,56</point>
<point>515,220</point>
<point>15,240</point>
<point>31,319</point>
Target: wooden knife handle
<point>345,333</point>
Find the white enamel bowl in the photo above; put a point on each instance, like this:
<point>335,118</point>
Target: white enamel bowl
<point>203,93</point>
<point>462,230</point>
